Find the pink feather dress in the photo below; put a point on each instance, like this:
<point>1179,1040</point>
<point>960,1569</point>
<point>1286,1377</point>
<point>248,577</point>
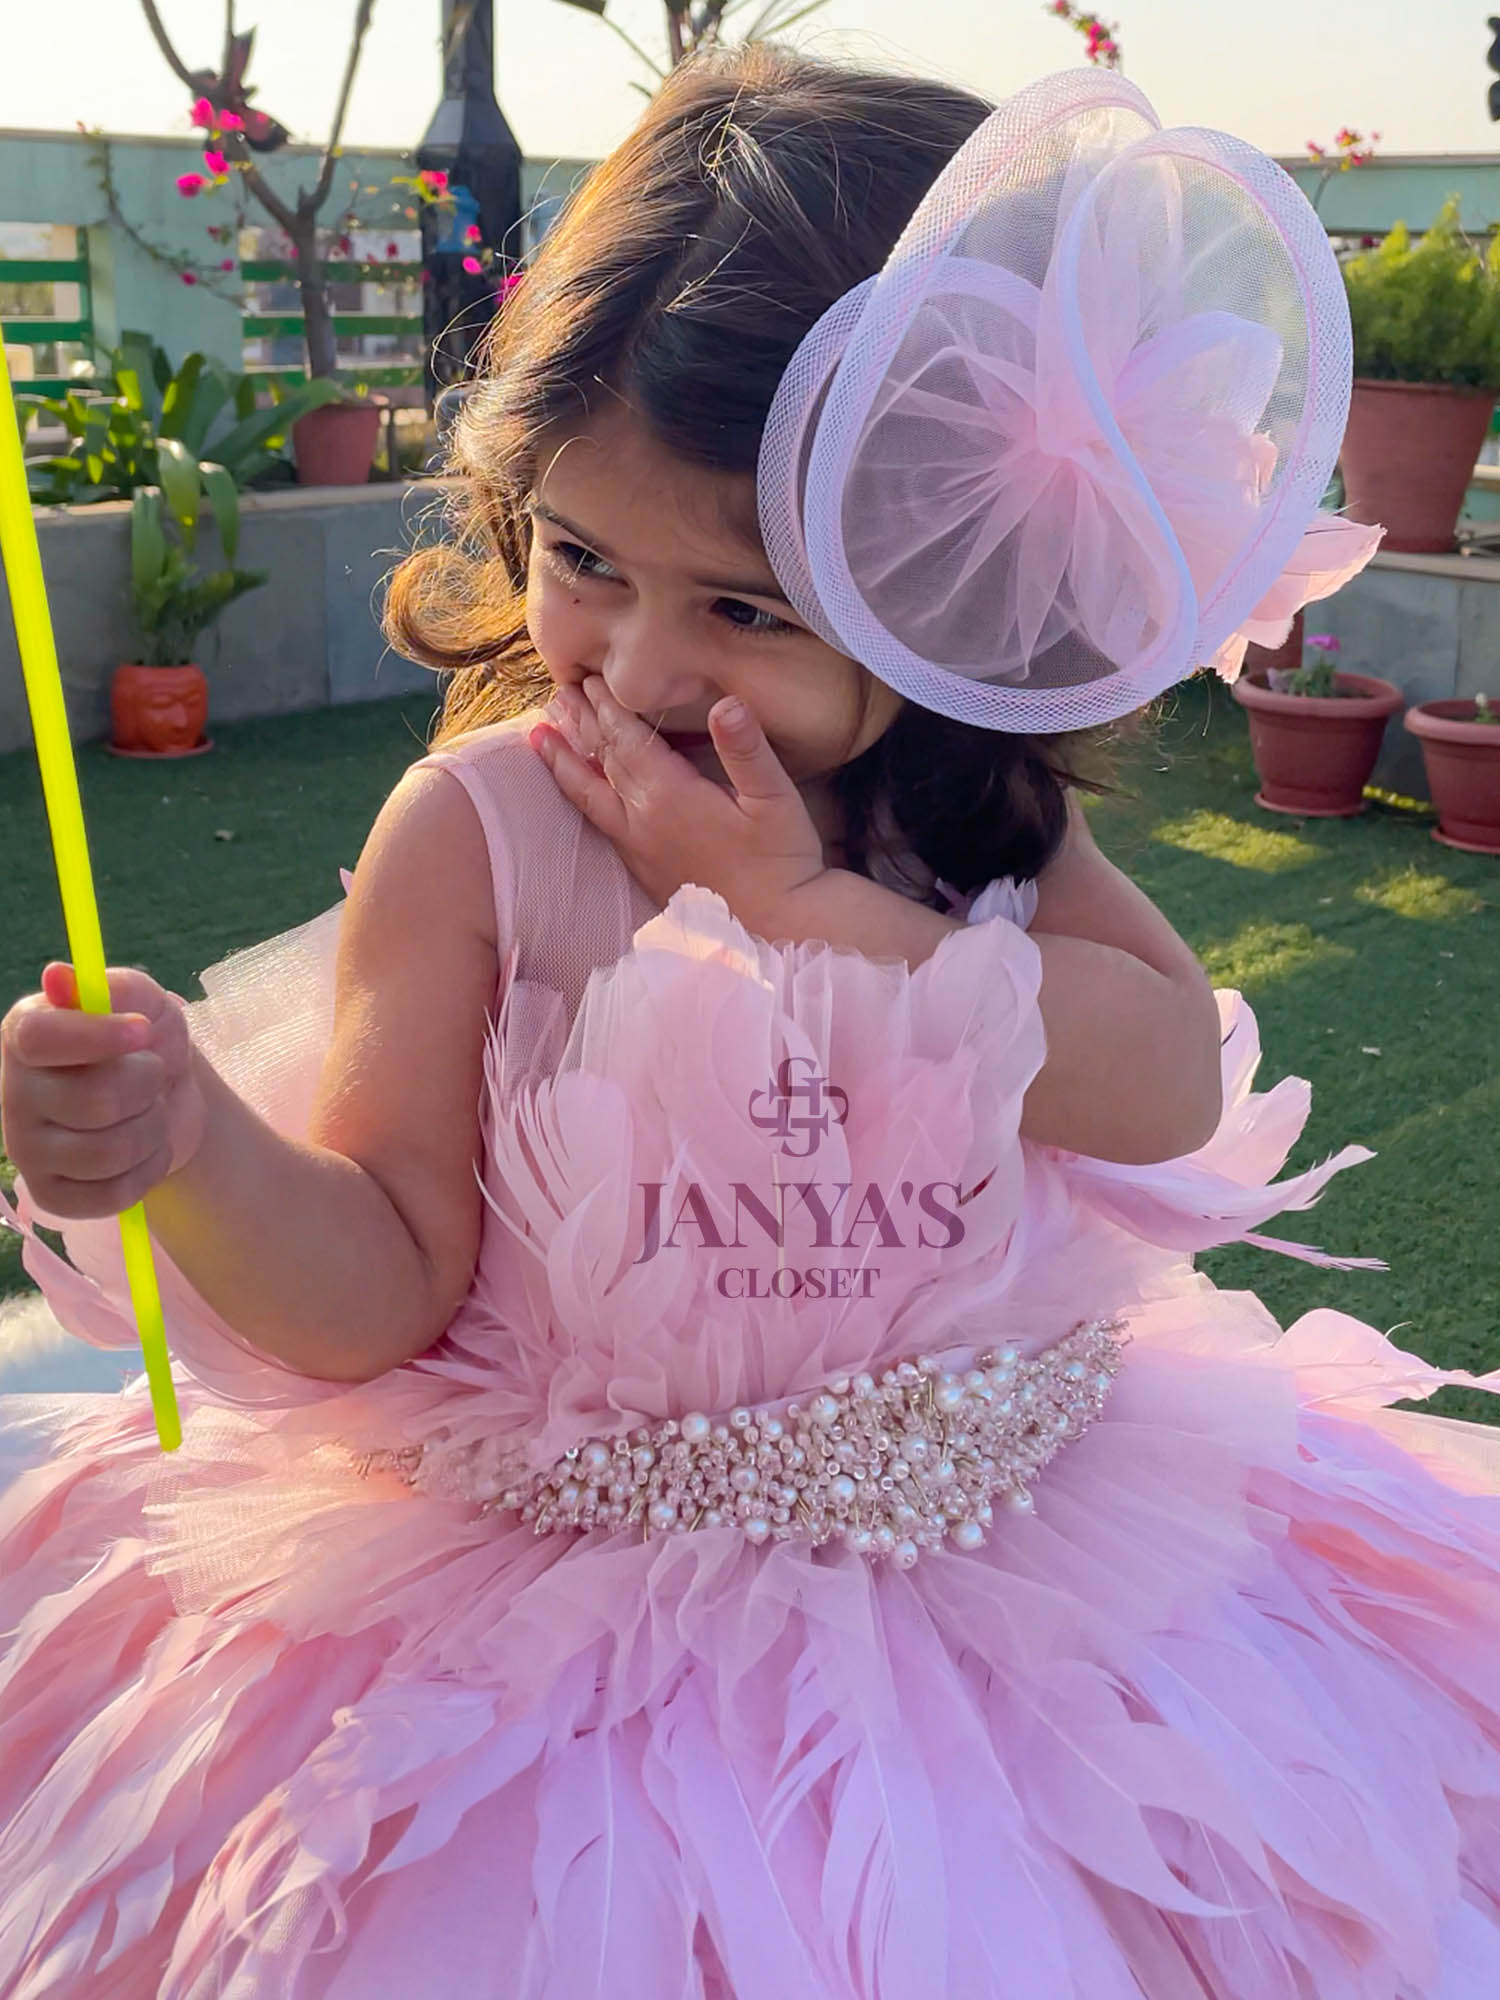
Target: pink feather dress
<point>1216,1716</point>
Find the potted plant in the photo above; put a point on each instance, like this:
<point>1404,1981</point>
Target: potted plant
<point>1426,319</point>
<point>159,704</point>
<point>1315,731</point>
<point>1461,749</point>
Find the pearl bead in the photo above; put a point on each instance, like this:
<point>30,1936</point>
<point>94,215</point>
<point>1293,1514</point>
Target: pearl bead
<point>1075,1371</point>
<point>858,1539</point>
<point>949,1393</point>
<point>756,1530</point>
<point>1020,1501</point>
<point>643,1458</point>
<point>739,1419</point>
<point>695,1427</point>
<point>663,1514</point>
<point>974,1379</point>
<point>569,1495</point>
<point>596,1457</point>
<point>744,1479</point>
<point>900,1469</point>
<point>713,1518</point>
<point>884,1540</point>
<point>842,1489</point>
<point>967,1534</point>
<point>773,1429</point>
<point>823,1410</point>
<point>864,1386</point>
<point>904,1554</point>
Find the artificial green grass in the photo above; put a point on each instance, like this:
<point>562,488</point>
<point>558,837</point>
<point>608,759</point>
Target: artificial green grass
<point>1370,954</point>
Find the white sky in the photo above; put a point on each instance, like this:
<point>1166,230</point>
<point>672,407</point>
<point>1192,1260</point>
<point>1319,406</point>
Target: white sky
<point>1276,71</point>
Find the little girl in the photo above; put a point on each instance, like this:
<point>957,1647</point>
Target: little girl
<point>707,1468</point>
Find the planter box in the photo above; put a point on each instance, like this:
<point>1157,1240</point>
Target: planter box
<point>309,638</point>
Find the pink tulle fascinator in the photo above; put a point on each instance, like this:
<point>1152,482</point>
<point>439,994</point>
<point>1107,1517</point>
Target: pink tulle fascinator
<point>1069,444</point>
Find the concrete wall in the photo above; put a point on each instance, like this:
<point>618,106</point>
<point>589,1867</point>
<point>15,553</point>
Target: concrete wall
<point>307,638</point>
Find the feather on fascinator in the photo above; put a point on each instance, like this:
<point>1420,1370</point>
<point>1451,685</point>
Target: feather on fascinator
<point>1068,445</point>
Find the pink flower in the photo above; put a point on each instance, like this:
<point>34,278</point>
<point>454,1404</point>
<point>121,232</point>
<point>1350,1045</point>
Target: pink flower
<point>393,250</point>
<point>190,183</point>
<point>473,266</point>
<point>510,283</point>
<point>434,178</point>
<point>1324,642</point>
<point>473,233</point>
<point>227,265</point>
<point>1315,150</point>
<point>203,114</point>
<point>215,162</point>
<point>231,121</point>
<point>188,277</point>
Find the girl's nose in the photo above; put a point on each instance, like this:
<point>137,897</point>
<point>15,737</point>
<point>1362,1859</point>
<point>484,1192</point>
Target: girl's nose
<point>648,675</point>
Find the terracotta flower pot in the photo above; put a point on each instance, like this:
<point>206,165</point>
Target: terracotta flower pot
<point>1314,753</point>
<point>335,445</point>
<point>1409,455</point>
<point>158,711</point>
<point>1463,773</point>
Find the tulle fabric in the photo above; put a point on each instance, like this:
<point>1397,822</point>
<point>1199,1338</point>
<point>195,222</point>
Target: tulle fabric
<point>1070,443</point>
<point>1222,1719</point>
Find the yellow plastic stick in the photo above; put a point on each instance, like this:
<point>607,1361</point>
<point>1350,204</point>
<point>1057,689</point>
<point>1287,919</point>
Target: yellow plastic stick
<point>54,749</point>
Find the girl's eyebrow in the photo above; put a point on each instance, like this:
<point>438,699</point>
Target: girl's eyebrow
<point>758,587</point>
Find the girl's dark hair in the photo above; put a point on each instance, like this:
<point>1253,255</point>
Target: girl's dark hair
<point>757,189</point>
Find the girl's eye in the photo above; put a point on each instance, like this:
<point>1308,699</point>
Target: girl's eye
<point>575,562</point>
<point>754,620</point>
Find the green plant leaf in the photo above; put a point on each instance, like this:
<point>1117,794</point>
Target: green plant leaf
<point>178,472</point>
<point>176,402</point>
<point>224,498</point>
<point>148,540</point>
<point>214,390</point>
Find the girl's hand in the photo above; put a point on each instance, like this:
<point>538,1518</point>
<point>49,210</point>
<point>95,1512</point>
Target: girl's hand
<point>98,1108</point>
<point>755,846</point>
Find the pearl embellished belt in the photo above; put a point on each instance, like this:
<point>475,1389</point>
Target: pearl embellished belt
<point>888,1465</point>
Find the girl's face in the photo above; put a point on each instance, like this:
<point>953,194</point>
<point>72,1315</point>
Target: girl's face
<point>639,573</point>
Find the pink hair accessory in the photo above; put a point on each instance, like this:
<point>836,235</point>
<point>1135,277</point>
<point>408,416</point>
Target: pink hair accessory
<point>1069,444</point>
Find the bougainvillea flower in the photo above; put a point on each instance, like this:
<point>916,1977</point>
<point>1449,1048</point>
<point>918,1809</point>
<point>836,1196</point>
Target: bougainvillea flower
<point>215,162</point>
<point>203,114</point>
<point>188,277</point>
<point>190,183</point>
<point>393,250</point>
<point>473,266</point>
<point>473,233</point>
<point>231,121</point>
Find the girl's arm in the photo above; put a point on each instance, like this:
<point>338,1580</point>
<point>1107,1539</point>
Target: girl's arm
<point>347,1253</point>
<point>1132,1071</point>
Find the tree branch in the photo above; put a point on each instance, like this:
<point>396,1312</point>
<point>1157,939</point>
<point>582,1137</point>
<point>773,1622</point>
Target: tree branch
<point>163,42</point>
<point>266,195</point>
<point>325,178</point>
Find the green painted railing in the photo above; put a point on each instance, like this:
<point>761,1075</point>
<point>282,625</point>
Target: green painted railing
<point>374,270</point>
<point>31,331</point>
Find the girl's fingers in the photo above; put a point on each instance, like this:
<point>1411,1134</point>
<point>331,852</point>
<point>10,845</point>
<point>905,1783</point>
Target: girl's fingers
<point>586,787</point>
<point>751,765</point>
